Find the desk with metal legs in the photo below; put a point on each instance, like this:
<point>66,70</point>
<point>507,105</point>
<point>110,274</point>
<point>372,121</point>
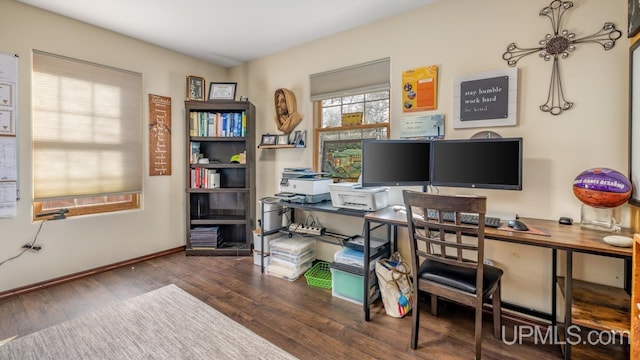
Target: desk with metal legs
<point>567,238</point>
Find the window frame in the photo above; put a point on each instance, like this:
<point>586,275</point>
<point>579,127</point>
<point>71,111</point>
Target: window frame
<point>107,207</point>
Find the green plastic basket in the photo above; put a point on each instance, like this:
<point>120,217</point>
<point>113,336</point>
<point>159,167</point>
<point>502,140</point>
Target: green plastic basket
<point>319,275</point>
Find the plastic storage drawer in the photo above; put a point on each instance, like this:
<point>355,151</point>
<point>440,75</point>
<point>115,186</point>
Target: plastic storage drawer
<point>349,286</point>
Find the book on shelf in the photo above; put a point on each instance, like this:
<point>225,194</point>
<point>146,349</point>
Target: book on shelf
<point>195,152</point>
<point>202,178</point>
<point>217,124</point>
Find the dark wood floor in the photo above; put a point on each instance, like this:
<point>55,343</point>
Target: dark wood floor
<point>306,321</point>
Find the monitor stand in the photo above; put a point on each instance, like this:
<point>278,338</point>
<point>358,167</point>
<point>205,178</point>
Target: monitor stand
<point>486,135</point>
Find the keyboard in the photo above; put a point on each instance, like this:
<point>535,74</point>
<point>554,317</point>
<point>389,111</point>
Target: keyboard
<point>472,219</point>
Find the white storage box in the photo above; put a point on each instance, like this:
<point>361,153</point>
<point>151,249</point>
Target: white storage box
<point>257,255</point>
<point>292,260</point>
<point>294,267</point>
<point>293,246</point>
<point>257,240</point>
<point>284,272</point>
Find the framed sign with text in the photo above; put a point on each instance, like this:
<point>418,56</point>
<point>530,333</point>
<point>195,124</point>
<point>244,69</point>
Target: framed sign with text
<point>486,99</point>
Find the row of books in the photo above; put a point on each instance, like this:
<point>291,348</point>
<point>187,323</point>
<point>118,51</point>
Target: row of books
<point>202,178</point>
<point>217,124</point>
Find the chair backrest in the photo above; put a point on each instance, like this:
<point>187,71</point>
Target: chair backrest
<point>432,237</point>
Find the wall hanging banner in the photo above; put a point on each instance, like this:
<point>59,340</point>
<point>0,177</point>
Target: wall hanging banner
<point>159,135</point>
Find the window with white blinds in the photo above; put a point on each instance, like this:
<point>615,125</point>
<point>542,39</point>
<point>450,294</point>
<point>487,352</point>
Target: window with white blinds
<point>361,89</point>
<point>87,129</point>
<point>369,77</point>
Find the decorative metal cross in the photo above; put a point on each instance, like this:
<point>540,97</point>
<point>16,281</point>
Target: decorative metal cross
<point>559,45</point>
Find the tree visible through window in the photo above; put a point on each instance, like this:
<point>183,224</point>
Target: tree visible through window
<point>87,128</point>
<point>374,107</point>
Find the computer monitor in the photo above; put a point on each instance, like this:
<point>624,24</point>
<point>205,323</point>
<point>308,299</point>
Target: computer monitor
<point>395,162</point>
<point>477,163</point>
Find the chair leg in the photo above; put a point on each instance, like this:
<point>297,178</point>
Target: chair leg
<point>478,328</point>
<point>415,322</point>
<point>434,305</point>
<point>497,313</point>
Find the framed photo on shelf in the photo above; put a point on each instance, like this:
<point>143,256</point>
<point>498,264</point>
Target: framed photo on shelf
<point>222,90</point>
<point>283,139</point>
<point>195,88</point>
<point>299,138</point>
<point>268,139</point>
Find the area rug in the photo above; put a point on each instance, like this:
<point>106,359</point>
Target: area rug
<point>167,323</point>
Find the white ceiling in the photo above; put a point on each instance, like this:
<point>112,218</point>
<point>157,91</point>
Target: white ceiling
<point>228,32</point>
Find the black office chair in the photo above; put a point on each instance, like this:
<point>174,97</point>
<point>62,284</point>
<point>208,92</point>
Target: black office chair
<point>452,268</point>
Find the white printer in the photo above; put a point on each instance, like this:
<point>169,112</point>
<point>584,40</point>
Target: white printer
<point>352,195</point>
<point>304,186</point>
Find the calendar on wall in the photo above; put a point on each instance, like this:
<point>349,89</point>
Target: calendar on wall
<point>9,192</point>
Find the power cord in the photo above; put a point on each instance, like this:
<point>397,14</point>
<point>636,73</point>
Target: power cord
<point>27,246</point>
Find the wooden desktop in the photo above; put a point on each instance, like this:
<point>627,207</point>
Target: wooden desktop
<point>583,304</point>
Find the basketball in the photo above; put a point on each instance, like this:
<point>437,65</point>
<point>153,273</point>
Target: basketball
<point>602,188</point>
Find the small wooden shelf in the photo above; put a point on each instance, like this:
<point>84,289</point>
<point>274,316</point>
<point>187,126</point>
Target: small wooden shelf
<point>599,307</point>
<point>280,147</point>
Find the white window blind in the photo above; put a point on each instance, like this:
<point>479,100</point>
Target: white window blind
<point>362,78</point>
<point>87,129</point>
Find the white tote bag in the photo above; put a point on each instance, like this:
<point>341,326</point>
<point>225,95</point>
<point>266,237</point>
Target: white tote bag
<point>395,286</point>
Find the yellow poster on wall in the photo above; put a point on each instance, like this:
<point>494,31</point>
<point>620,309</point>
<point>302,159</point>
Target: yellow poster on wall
<point>420,89</point>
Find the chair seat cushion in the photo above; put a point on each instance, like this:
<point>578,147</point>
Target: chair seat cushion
<point>456,277</point>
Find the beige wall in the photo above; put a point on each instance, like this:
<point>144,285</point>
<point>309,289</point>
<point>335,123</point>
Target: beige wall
<point>460,36</point>
<point>82,243</point>
<point>465,37</point>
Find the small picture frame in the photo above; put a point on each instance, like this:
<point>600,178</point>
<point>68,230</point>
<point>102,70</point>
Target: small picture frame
<point>195,88</point>
<point>268,139</point>
<point>299,138</point>
<point>222,90</point>
<point>283,139</point>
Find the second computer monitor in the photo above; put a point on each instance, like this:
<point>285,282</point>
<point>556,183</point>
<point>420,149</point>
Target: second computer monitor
<point>482,163</point>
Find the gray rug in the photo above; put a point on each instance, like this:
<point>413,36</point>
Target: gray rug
<point>167,323</point>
